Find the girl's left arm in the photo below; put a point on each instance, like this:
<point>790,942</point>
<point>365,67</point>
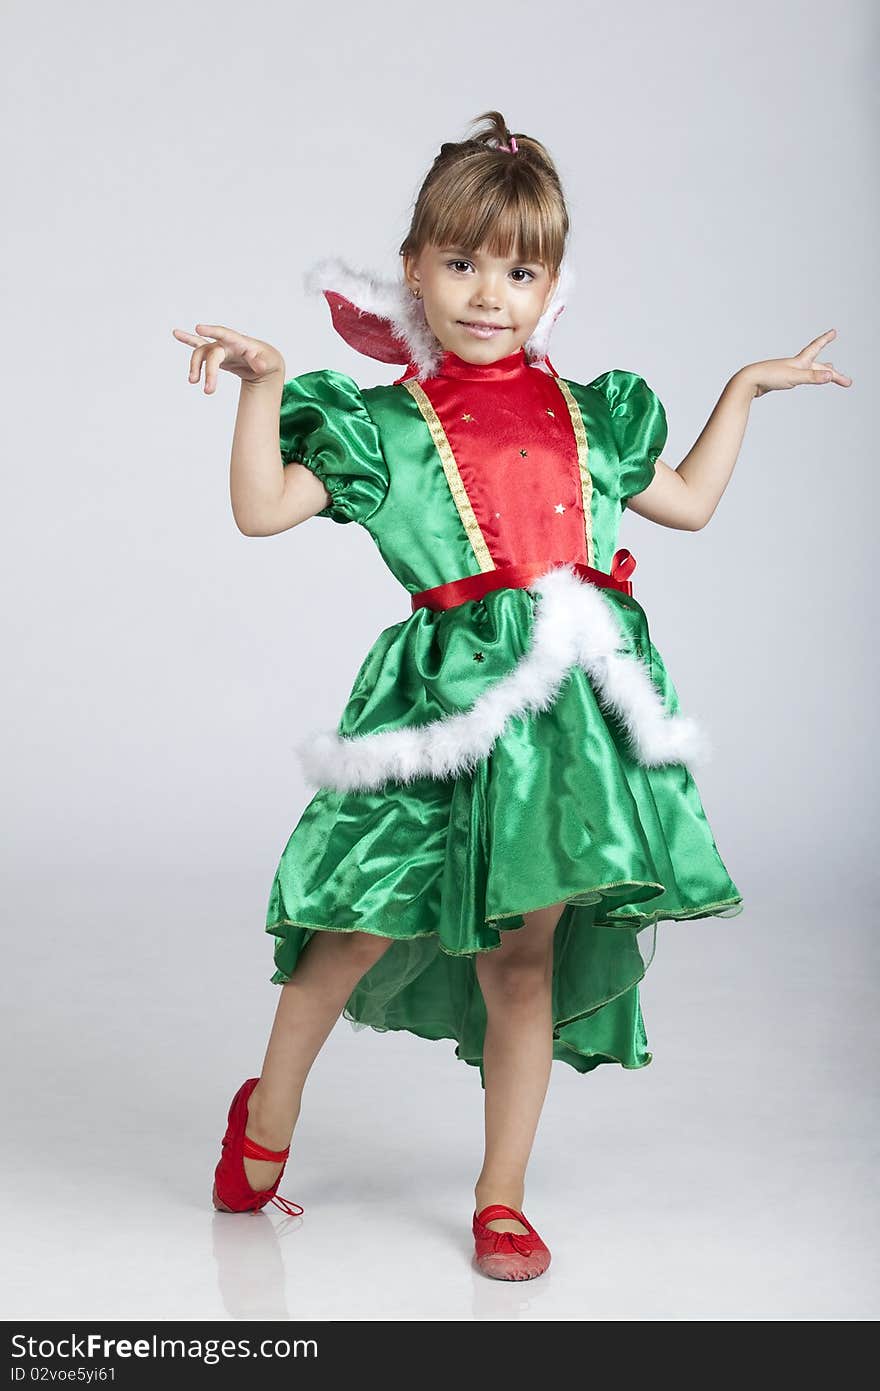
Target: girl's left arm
<point>686,497</point>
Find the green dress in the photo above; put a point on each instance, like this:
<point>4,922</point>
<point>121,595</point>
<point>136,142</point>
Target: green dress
<point>485,765</point>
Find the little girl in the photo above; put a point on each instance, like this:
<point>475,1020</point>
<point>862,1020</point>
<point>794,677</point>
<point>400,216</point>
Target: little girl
<point>507,803</point>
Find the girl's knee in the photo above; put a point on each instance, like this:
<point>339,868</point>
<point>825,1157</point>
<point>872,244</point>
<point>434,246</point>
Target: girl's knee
<point>365,948</point>
<point>525,958</point>
<point>515,976</point>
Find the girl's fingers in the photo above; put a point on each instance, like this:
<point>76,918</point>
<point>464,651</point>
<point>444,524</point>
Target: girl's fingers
<point>217,331</point>
<point>226,344</point>
<point>215,355</point>
<point>192,338</point>
<point>827,372</point>
<point>810,351</point>
<point>234,343</point>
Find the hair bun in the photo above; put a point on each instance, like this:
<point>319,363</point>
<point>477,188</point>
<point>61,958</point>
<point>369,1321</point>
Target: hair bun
<point>470,194</point>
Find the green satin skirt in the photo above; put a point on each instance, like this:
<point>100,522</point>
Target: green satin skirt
<point>446,867</point>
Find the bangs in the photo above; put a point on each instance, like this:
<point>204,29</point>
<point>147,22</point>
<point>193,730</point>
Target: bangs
<point>503,211</point>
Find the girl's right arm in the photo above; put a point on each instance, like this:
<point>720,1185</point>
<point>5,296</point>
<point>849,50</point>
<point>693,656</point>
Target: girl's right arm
<point>267,495</point>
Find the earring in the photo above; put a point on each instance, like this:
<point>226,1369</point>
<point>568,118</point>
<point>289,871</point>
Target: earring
<point>417,294</point>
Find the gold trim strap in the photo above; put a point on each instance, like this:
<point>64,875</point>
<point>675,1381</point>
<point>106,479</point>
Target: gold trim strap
<point>583,450</point>
<point>453,476</point>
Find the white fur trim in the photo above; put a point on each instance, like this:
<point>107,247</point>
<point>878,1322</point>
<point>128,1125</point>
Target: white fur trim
<point>393,301</point>
<point>573,625</point>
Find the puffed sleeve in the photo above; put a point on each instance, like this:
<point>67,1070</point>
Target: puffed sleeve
<point>638,424</point>
<point>326,426</point>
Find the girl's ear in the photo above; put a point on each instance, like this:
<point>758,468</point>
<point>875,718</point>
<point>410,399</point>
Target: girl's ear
<point>409,266</point>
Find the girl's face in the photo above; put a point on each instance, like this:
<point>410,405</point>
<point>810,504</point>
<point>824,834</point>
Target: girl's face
<point>480,307</point>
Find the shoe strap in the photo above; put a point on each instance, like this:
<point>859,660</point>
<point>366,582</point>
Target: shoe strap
<point>292,1209</point>
<point>254,1151</point>
<point>499,1210</point>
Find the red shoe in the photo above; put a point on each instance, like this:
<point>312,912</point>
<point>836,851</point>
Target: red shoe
<point>232,1192</point>
<point>508,1255</point>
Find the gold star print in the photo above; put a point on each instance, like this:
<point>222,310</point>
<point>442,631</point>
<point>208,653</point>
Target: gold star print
<point>478,657</point>
<point>467,416</point>
<point>549,412</point>
<point>559,507</point>
<point>524,453</point>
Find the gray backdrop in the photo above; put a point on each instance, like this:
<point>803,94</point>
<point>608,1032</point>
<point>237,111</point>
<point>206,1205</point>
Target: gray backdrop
<point>185,164</point>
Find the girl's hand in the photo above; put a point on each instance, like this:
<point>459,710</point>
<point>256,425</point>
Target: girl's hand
<point>248,358</point>
<point>780,373</point>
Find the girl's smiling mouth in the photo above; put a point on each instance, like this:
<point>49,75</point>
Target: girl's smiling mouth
<point>482,330</point>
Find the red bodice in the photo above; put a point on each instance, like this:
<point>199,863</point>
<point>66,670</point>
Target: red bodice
<point>512,436</point>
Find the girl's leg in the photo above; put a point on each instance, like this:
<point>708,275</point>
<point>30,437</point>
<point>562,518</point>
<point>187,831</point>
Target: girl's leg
<point>516,981</point>
<point>327,972</point>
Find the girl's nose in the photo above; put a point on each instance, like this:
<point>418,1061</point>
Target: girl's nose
<point>487,295</point>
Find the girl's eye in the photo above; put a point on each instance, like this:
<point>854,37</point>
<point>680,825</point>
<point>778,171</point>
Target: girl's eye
<point>520,270</point>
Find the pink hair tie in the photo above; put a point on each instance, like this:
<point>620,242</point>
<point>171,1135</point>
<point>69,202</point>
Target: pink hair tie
<point>511,148</point>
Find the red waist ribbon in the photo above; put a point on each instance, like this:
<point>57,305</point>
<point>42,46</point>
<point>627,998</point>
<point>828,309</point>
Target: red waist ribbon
<point>520,576</point>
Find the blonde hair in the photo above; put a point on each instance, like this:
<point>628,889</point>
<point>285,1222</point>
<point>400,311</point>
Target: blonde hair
<point>478,195</point>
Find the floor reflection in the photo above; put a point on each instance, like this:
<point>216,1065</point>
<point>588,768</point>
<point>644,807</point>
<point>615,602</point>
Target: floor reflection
<point>505,1301</point>
<point>250,1266</point>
